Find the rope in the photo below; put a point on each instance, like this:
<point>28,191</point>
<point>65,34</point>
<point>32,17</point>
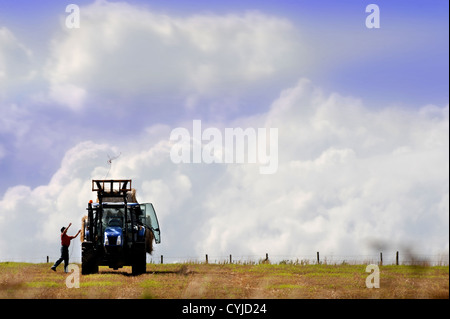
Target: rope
<point>71,252</point>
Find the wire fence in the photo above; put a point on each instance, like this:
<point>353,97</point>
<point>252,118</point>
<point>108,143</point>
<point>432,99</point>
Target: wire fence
<point>382,258</point>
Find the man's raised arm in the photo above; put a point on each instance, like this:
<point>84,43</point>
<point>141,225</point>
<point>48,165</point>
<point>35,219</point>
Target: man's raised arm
<point>65,230</point>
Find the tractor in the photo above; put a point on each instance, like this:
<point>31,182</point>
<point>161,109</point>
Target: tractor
<point>117,231</point>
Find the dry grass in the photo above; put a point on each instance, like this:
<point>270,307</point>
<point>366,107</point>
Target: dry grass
<point>227,281</point>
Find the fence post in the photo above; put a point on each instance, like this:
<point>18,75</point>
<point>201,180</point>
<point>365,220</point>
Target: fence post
<point>47,259</point>
<point>381,259</point>
<point>267,257</point>
<point>162,259</point>
<point>396,258</point>
<point>231,260</point>
<point>318,259</point>
<point>206,258</point>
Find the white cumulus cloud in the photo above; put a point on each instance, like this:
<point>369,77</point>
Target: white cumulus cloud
<point>347,176</point>
<point>122,50</point>
<point>16,64</point>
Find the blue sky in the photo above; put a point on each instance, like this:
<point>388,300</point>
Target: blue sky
<point>134,70</point>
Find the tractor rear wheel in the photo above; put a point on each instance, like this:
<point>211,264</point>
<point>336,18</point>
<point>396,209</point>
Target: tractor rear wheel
<point>139,265</point>
<point>89,263</point>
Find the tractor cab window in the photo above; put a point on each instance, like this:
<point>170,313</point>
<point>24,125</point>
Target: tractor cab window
<point>115,222</point>
<point>113,217</point>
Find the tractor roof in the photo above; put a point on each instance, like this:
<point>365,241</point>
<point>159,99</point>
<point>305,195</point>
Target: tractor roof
<point>118,204</point>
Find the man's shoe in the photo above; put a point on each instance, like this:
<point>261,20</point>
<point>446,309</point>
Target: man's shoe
<point>53,268</point>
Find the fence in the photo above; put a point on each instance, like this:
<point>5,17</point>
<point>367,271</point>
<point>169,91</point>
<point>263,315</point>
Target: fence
<point>383,258</point>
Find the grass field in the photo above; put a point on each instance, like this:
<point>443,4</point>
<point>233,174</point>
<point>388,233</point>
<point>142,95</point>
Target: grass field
<point>226,281</point>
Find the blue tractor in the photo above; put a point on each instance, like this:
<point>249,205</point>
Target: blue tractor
<point>117,231</point>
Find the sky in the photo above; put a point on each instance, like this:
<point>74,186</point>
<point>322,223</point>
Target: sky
<point>362,117</point>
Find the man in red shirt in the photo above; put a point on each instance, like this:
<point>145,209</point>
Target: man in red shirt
<point>65,243</point>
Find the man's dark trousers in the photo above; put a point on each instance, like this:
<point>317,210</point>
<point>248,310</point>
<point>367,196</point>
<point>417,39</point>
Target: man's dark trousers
<point>64,257</point>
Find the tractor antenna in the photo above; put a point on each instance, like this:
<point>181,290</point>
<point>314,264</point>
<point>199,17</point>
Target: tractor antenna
<point>110,159</point>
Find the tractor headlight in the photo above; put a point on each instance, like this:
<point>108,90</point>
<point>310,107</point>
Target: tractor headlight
<point>119,240</point>
<point>106,239</point>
